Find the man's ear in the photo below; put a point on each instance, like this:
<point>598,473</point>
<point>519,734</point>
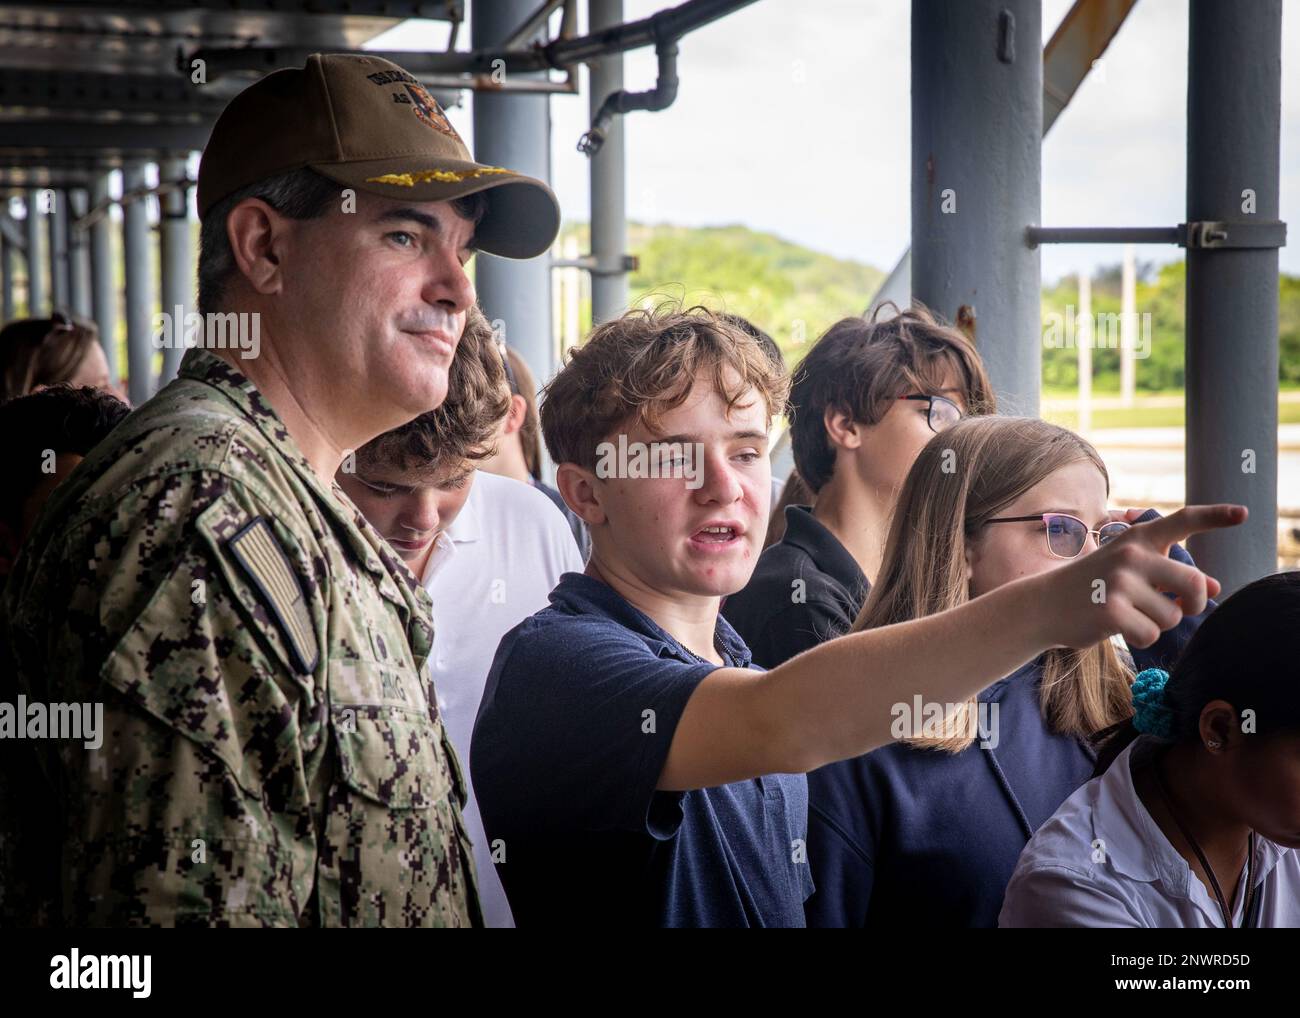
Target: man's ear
<point>579,488</point>
<point>842,429</point>
<point>517,415</point>
<point>258,237</point>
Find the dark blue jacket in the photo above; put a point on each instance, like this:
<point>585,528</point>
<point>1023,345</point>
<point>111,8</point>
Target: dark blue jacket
<point>921,838</point>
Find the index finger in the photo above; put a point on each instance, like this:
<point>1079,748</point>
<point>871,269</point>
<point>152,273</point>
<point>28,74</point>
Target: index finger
<point>1192,519</point>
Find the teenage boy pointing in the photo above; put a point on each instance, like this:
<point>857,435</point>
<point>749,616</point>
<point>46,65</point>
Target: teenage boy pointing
<point>631,766</point>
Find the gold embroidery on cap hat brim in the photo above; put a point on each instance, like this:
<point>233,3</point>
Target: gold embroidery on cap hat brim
<point>440,176</point>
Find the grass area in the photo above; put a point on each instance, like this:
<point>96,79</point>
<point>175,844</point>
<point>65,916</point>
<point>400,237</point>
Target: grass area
<point>1153,416</point>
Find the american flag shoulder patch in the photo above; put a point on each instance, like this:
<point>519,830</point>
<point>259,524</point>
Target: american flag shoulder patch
<point>261,557</point>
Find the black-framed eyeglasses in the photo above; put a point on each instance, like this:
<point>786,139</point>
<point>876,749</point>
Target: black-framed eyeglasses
<point>1066,534</point>
<point>943,412</point>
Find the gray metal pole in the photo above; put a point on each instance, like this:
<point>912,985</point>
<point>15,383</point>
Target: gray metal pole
<point>514,131</point>
<point>176,259</point>
<point>1234,73</point>
<point>78,254</point>
<point>58,223</point>
<point>139,285</point>
<point>35,253</point>
<point>608,178</point>
<point>977,122</point>
<point>103,291</point>
<point>7,311</point>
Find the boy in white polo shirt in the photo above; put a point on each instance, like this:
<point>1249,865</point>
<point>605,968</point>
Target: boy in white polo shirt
<point>488,549</point>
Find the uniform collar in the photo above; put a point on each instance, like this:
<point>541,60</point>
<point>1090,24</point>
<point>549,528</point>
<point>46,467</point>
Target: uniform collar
<point>804,531</point>
<point>466,526</point>
<point>206,367</point>
<point>1135,845</point>
<point>442,552</point>
<point>578,593</point>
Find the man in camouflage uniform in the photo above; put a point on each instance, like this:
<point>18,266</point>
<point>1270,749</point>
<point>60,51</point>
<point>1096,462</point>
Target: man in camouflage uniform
<point>271,751</point>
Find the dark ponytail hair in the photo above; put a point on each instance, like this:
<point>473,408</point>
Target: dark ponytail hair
<point>1245,652</point>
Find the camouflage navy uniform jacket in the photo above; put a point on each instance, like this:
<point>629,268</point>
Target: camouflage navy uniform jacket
<point>272,752</point>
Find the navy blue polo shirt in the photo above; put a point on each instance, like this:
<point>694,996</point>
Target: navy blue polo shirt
<point>575,725</point>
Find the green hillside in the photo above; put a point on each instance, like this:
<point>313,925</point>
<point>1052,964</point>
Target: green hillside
<point>789,290</point>
<point>1161,293</point>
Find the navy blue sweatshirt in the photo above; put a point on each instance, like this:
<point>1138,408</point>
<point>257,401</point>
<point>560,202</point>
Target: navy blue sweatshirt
<point>923,838</point>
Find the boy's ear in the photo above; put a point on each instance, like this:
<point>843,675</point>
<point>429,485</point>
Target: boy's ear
<point>842,429</point>
<point>578,487</point>
<point>517,415</point>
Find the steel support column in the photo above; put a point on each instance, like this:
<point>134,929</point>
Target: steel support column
<point>36,293</point>
<point>977,122</point>
<point>514,131</point>
<point>78,254</point>
<point>7,310</point>
<point>1234,72</point>
<point>103,292</point>
<point>138,260</point>
<point>608,178</point>
<point>176,257</point>
<point>58,224</point>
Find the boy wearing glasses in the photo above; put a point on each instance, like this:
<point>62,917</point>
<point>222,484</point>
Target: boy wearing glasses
<point>632,767</point>
<point>865,400</point>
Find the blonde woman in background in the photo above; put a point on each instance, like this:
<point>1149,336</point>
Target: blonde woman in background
<point>36,352</point>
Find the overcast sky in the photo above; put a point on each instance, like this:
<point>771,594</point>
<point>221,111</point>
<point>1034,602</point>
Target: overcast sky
<point>792,116</point>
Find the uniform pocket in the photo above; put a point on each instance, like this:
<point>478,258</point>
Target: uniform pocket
<point>390,749</point>
<point>389,754</point>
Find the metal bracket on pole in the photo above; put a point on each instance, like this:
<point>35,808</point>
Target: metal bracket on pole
<point>1203,234</point>
<point>628,263</point>
<point>589,263</point>
<point>1236,234</point>
<point>1035,235</point>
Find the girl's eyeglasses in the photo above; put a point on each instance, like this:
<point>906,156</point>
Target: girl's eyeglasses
<point>944,413</point>
<point>1066,534</point>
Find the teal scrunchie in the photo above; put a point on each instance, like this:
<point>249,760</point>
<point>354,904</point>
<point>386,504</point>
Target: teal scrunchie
<point>1151,713</point>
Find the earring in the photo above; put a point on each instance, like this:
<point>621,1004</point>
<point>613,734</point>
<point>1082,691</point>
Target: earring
<point>1213,744</point>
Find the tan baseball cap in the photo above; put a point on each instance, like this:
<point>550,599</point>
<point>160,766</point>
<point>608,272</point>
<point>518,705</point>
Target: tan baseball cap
<point>368,124</point>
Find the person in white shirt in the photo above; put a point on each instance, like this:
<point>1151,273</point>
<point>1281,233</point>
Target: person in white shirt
<point>488,549</point>
<point>1194,817</point>
<point>518,444</point>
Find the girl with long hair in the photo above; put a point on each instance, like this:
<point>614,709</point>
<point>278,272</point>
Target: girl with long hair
<point>926,831</point>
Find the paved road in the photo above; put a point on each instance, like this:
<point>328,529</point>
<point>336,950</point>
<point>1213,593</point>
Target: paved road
<point>1146,466</point>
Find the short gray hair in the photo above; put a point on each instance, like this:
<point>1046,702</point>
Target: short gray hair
<point>298,194</point>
